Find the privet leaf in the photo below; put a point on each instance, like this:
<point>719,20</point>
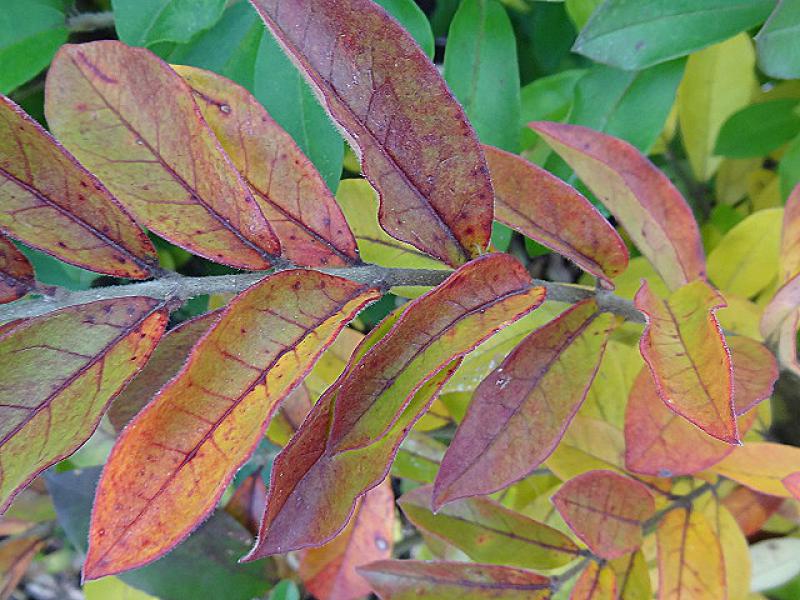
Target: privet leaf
<point>686,352</point>
<point>330,571</point>
<point>247,502</point>
<point>416,145</point>
<point>778,55</point>
<point>765,467</point>
<point>417,580</point>
<point>690,563</point>
<point>606,510</point>
<point>133,121</point>
<point>641,197</point>
<point>544,208</point>
<point>16,555</point>
<point>537,388</point>
<point>633,577</point>
<point>751,509</point>
<point>596,582</point>
<point>755,372</point>
<point>58,373</point>
<point>290,192</point>
<point>16,273</point>
<point>50,202</point>
<point>314,480</point>
<point>488,532</point>
<point>148,22</point>
<point>790,237</point>
<point>171,465</point>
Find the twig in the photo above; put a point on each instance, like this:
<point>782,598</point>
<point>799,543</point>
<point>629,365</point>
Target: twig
<point>84,22</point>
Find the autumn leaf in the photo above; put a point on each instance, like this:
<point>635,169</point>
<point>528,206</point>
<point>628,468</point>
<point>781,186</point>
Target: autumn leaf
<point>755,372</point>
<point>16,555</point>
<point>52,203</point>
<point>134,123</point>
<point>765,467</point>
<point>290,192</point>
<point>606,510</point>
<point>172,463</point>
<point>789,260</point>
<point>751,509</point>
<point>247,502</point>
<point>417,580</point>
<point>330,571</point>
<point>488,532</point>
<point>57,375</point>
<point>690,562</point>
<point>633,577</point>
<point>556,215</point>
<point>595,582</point>
<point>416,145</point>
<point>16,273</point>
<point>537,388</point>
<point>642,198</point>
<point>686,352</point>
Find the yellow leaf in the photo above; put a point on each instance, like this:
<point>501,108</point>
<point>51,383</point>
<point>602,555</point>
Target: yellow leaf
<point>746,259</point>
<point>741,316</point>
<point>608,395</point>
<point>733,177</point>
<point>764,188</point>
<point>718,81</point>
<point>762,466</point>
<point>630,281</point>
<point>112,588</point>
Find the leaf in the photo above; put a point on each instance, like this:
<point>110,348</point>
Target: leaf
<point>417,580</point>
<point>774,562</point>
<point>480,66</point>
<point>112,588</point>
<point>595,583</point>
<point>745,260</point>
<point>247,502</point>
<point>547,99</point>
<point>776,122</point>
<point>132,120</point>
<point>735,551</point>
<point>538,387</point>
<point>390,381</point>
<point>330,571</point>
<point>16,555</point>
<point>148,22</point>
<point>790,238</point>
<point>57,375</point>
<point>290,192</point>
<point>52,203</point>
<point>717,83</point>
<point>488,532</point>
<point>755,372</point>
<point>690,563</point>
<point>782,311</point>
<point>204,567</point>
<point>633,577</point>
<point>30,34</point>
<point>556,216</point>
<point>661,443</point>
<point>414,20</point>
<point>633,36</point>
<point>763,467</point>
<point>686,352</point>
<point>381,89</point>
<point>641,197</point>
<point>16,273</point>
<point>751,509</point>
<point>777,54</point>
<point>606,510</point>
<point>167,359</point>
<point>178,455</point>
<point>630,105</point>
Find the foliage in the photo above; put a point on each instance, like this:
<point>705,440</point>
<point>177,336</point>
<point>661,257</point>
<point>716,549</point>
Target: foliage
<point>559,335</point>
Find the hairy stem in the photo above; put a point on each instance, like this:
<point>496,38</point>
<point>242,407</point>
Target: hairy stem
<point>92,21</point>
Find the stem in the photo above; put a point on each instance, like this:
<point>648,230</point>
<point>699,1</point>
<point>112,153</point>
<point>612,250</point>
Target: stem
<point>181,288</point>
<point>90,22</point>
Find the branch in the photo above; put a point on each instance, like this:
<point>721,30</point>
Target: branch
<point>180,288</point>
<point>90,22</point>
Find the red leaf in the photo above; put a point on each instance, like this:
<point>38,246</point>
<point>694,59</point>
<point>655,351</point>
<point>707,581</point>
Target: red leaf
<point>606,510</point>
<point>133,121</point>
<point>416,146</point>
<point>52,203</point>
<point>640,196</point>
<point>544,208</point>
<point>292,195</point>
<point>538,387</point>
<point>16,273</point>
<point>751,509</point>
<point>755,372</point>
<point>248,501</point>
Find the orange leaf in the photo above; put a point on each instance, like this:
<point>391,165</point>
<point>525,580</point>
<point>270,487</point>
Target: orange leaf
<point>57,375</point>
<point>686,352</point>
<point>329,572</point>
<point>690,561</point>
<point>538,387</point>
<point>416,145</point>
<point>52,203</point>
<point>751,509</point>
<point>16,273</point>
<point>765,467</point>
<point>172,463</point>
<point>595,583</point>
<point>133,121</point>
<point>638,194</point>
<point>16,555</point>
<point>291,193</point>
<point>417,580</point>
<point>247,503</point>
<point>544,208</point>
<point>606,510</point>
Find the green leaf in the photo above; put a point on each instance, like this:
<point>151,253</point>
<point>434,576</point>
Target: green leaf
<point>778,51</point>
<point>480,65</point>
<point>30,34</point>
<point>411,17</point>
<point>634,35</point>
<point>148,22</point>
<point>580,10</point>
<point>759,129</point>
<point>632,105</point>
<point>285,590</point>
<point>547,99</point>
